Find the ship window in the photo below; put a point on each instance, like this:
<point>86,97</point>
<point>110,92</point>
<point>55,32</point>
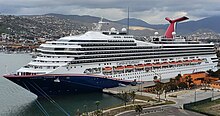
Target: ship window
<point>163,59</point>
<point>156,60</point>
<point>147,61</point>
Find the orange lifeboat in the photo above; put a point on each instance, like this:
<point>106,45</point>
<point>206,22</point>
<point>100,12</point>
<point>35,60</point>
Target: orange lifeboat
<point>196,60</point>
<point>179,62</point>
<point>165,64</point>
<point>129,67</point>
<point>172,63</point>
<point>107,69</point>
<point>148,65</point>
<point>139,66</point>
<point>186,61</point>
<point>156,64</point>
<point>119,68</point>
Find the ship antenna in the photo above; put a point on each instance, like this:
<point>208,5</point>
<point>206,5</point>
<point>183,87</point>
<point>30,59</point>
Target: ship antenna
<point>128,22</point>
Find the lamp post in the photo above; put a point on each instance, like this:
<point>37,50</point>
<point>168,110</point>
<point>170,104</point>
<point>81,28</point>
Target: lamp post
<point>141,85</point>
<point>212,93</point>
<point>195,96</point>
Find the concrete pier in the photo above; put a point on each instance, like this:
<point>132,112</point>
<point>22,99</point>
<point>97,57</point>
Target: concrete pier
<point>130,88</point>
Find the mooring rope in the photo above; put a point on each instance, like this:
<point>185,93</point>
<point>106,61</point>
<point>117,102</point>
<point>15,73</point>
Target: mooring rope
<point>48,98</point>
<point>42,109</point>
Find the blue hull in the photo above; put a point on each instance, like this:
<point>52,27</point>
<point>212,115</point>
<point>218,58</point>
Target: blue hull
<point>56,85</point>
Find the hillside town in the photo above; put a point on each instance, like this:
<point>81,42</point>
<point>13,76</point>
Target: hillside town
<point>25,33</point>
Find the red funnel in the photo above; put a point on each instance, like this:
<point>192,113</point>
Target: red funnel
<point>171,28</point>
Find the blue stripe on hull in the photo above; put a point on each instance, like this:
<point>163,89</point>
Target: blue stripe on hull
<point>66,84</point>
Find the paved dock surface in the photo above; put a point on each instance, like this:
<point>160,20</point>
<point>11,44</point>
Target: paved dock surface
<point>130,88</point>
<point>161,111</point>
<point>183,96</point>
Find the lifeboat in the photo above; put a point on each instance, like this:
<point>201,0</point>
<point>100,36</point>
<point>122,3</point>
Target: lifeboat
<point>148,65</point>
<point>129,67</point>
<point>107,69</point>
<point>139,66</point>
<point>196,61</point>
<point>179,62</point>
<point>172,63</point>
<point>165,64</point>
<point>186,61</point>
<point>156,64</point>
<point>119,68</point>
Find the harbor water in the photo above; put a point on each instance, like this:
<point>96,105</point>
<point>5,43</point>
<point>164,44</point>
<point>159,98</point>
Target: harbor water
<point>15,100</point>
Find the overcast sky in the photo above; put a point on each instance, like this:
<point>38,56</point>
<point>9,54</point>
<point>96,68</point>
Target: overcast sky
<point>151,11</point>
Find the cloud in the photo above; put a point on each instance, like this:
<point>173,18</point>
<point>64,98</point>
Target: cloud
<point>152,11</point>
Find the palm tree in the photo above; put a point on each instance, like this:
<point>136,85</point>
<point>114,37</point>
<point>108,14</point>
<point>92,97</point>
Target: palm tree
<point>159,87</point>
<point>210,72</point>
<point>206,81</point>
<point>189,80</point>
<point>139,109</point>
<point>125,97</point>
<point>132,94</point>
<point>97,103</point>
<point>166,88</point>
<point>178,77</point>
<point>182,85</point>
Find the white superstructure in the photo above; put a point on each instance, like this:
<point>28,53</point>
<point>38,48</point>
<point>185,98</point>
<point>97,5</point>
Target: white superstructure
<point>119,56</point>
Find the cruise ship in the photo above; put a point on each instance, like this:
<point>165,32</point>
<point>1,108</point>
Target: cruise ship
<point>104,59</point>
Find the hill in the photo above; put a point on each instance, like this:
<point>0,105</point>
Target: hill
<point>60,25</point>
<point>209,23</point>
